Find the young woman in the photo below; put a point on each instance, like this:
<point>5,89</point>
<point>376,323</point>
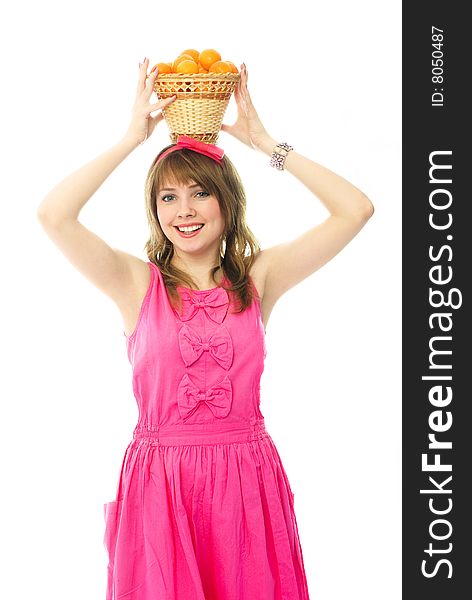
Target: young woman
<point>204,507</point>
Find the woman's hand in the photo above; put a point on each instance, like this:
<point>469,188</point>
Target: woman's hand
<point>248,127</point>
<point>142,124</point>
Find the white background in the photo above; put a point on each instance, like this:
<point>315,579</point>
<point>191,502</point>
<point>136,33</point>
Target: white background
<point>325,77</point>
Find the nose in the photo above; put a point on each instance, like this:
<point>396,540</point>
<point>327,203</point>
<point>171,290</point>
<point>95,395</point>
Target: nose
<point>185,208</point>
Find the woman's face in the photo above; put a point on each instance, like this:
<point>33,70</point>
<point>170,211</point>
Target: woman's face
<point>190,205</point>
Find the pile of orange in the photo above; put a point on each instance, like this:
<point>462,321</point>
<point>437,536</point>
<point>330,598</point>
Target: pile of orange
<point>192,62</point>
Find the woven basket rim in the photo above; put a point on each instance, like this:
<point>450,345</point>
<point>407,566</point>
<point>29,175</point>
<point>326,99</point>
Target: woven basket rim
<point>191,76</point>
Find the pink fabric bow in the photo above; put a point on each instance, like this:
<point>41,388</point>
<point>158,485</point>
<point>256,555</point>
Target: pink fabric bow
<point>215,303</point>
<point>184,141</point>
<point>218,398</point>
<point>219,346</point>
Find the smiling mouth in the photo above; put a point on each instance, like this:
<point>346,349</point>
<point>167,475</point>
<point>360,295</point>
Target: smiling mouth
<point>189,231</point>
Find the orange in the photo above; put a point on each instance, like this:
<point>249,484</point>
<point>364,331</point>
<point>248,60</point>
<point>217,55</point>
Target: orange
<point>163,68</point>
<point>195,54</point>
<point>179,59</point>
<point>187,66</point>
<point>208,57</point>
<point>202,70</point>
<point>220,66</point>
<point>234,68</point>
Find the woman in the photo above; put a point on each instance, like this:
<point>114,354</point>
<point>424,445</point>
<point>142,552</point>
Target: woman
<point>203,508</point>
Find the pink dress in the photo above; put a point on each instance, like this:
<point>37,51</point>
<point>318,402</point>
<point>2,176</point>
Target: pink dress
<point>204,508</point>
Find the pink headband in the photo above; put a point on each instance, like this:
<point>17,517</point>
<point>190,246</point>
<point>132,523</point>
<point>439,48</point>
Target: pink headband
<point>201,147</point>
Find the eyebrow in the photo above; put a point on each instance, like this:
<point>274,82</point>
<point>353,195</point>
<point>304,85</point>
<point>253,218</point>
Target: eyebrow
<point>173,189</point>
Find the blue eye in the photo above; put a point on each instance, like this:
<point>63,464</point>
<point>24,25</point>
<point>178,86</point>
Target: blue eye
<point>163,198</point>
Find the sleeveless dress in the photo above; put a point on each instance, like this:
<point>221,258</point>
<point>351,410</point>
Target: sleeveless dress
<point>204,508</point>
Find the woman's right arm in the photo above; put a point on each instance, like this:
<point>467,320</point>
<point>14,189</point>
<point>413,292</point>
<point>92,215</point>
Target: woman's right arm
<point>106,267</point>
<point>115,273</point>
<point>67,198</point>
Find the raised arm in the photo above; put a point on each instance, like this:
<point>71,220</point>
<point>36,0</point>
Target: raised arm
<point>288,263</point>
<point>109,269</point>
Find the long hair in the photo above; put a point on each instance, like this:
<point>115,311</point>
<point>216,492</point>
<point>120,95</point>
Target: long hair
<point>238,245</point>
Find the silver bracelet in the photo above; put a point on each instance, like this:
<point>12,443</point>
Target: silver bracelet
<point>279,154</point>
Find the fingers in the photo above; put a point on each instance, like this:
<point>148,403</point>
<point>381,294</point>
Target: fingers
<point>162,103</point>
<point>240,90</point>
<point>159,116</point>
<point>242,93</point>
<point>155,120</point>
<point>150,80</point>
<point>166,101</point>
<point>142,75</point>
<point>146,82</point>
<point>244,76</point>
<point>243,82</point>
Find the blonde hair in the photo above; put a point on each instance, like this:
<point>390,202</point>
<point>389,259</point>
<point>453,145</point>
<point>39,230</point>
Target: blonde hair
<point>238,245</point>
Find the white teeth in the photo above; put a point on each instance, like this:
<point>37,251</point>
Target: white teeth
<point>188,229</point>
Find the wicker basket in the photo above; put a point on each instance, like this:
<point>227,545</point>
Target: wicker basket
<point>200,106</point>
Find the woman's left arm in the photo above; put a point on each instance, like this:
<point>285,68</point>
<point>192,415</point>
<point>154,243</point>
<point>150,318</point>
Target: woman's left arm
<point>288,263</point>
